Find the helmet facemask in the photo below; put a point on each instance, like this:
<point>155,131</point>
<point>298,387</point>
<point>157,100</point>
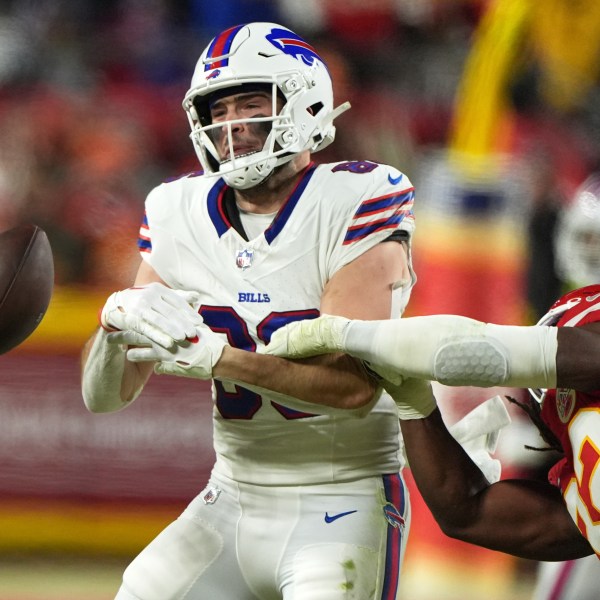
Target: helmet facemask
<point>246,170</point>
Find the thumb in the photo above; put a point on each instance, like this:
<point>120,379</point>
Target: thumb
<point>190,297</point>
<point>278,344</point>
<point>128,338</point>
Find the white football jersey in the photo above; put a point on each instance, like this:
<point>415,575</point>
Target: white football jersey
<point>192,237</point>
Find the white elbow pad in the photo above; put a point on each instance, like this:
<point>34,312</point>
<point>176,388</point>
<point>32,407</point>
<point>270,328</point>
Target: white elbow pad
<point>500,355</point>
<point>471,361</point>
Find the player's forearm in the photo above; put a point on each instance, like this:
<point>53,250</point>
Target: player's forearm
<point>446,476</point>
<point>338,381</point>
<point>523,518</point>
<point>109,382</point>
<point>457,350</point>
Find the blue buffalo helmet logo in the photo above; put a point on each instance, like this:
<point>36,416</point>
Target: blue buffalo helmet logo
<point>213,74</point>
<point>293,45</point>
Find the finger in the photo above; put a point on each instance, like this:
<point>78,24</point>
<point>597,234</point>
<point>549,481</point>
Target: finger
<point>164,339</point>
<point>177,324</point>
<point>169,368</point>
<point>190,299</point>
<point>289,342</point>
<point>161,369</point>
<point>128,338</point>
<point>278,345</point>
<point>185,301</point>
<point>145,354</point>
<point>394,377</point>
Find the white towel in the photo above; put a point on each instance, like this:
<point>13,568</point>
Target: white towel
<point>477,432</point>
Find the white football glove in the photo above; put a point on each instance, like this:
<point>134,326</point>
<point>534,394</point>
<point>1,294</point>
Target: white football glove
<point>163,315</point>
<point>193,357</point>
<point>413,397</point>
<point>309,337</point>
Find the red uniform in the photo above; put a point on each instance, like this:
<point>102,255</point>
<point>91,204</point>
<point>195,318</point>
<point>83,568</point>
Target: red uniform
<point>574,417</point>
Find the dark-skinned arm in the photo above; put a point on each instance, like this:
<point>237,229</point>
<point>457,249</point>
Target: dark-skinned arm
<point>520,517</point>
<point>578,357</point>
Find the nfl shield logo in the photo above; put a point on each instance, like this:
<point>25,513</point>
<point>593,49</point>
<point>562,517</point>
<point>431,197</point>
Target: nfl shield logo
<point>244,258</point>
<point>565,403</point>
<point>211,495</point>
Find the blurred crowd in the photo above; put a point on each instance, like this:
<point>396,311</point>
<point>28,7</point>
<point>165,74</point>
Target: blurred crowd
<point>91,117</point>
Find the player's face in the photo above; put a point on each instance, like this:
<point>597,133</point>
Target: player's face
<point>246,138</point>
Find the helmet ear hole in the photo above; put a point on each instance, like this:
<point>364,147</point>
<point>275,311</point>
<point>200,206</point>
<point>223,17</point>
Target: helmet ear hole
<point>315,108</point>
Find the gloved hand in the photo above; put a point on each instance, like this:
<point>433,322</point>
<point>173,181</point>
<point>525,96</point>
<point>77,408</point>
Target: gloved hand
<point>163,315</point>
<point>309,337</point>
<point>413,397</point>
<point>193,357</point>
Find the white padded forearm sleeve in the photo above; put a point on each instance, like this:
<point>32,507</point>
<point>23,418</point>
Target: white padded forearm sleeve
<point>102,376</point>
<point>458,351</point>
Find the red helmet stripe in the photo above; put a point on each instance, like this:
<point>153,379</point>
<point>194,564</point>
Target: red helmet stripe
<point>220,46</point>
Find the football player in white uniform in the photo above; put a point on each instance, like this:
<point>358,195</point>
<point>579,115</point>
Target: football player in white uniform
<point>526,518</point>
<point>303,502</point>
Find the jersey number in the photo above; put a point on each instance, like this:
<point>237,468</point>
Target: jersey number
<point>582,491</point>
<point>243,403</point>
<point>356,166</point>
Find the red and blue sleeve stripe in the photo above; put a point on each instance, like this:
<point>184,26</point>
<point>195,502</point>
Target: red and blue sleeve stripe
<point>144,241</point>
<point>391,209</point>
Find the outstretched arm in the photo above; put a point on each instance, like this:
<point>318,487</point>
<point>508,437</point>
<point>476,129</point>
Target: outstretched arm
<point>520,517</point>
<point>455,350</point>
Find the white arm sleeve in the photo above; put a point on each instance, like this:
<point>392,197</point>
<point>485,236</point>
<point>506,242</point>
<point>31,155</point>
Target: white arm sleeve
<point>457,351</point>
<point>103,375</point>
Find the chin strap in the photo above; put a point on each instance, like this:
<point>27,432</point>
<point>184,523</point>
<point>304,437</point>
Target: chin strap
<point>330,136</point>
<point>336,112</point>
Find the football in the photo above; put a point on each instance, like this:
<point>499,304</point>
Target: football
<point>26,282</point>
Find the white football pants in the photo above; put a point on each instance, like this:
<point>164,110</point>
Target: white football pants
<point>342,541</point>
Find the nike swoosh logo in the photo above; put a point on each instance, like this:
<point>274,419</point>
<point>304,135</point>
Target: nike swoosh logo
<point>395,180</point>
<point>332,518</point>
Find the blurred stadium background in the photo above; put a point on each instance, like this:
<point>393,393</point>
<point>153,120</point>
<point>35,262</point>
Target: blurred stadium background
<point>490,106</point>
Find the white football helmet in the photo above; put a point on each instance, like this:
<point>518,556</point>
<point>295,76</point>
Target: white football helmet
<point>250,57</point>
<point>577,244</point>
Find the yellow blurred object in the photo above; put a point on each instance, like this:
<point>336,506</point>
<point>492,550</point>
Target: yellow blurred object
<point>564,37</point>
<point>481,99</point>
<point>566,40</point>
<point>116,529</point>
